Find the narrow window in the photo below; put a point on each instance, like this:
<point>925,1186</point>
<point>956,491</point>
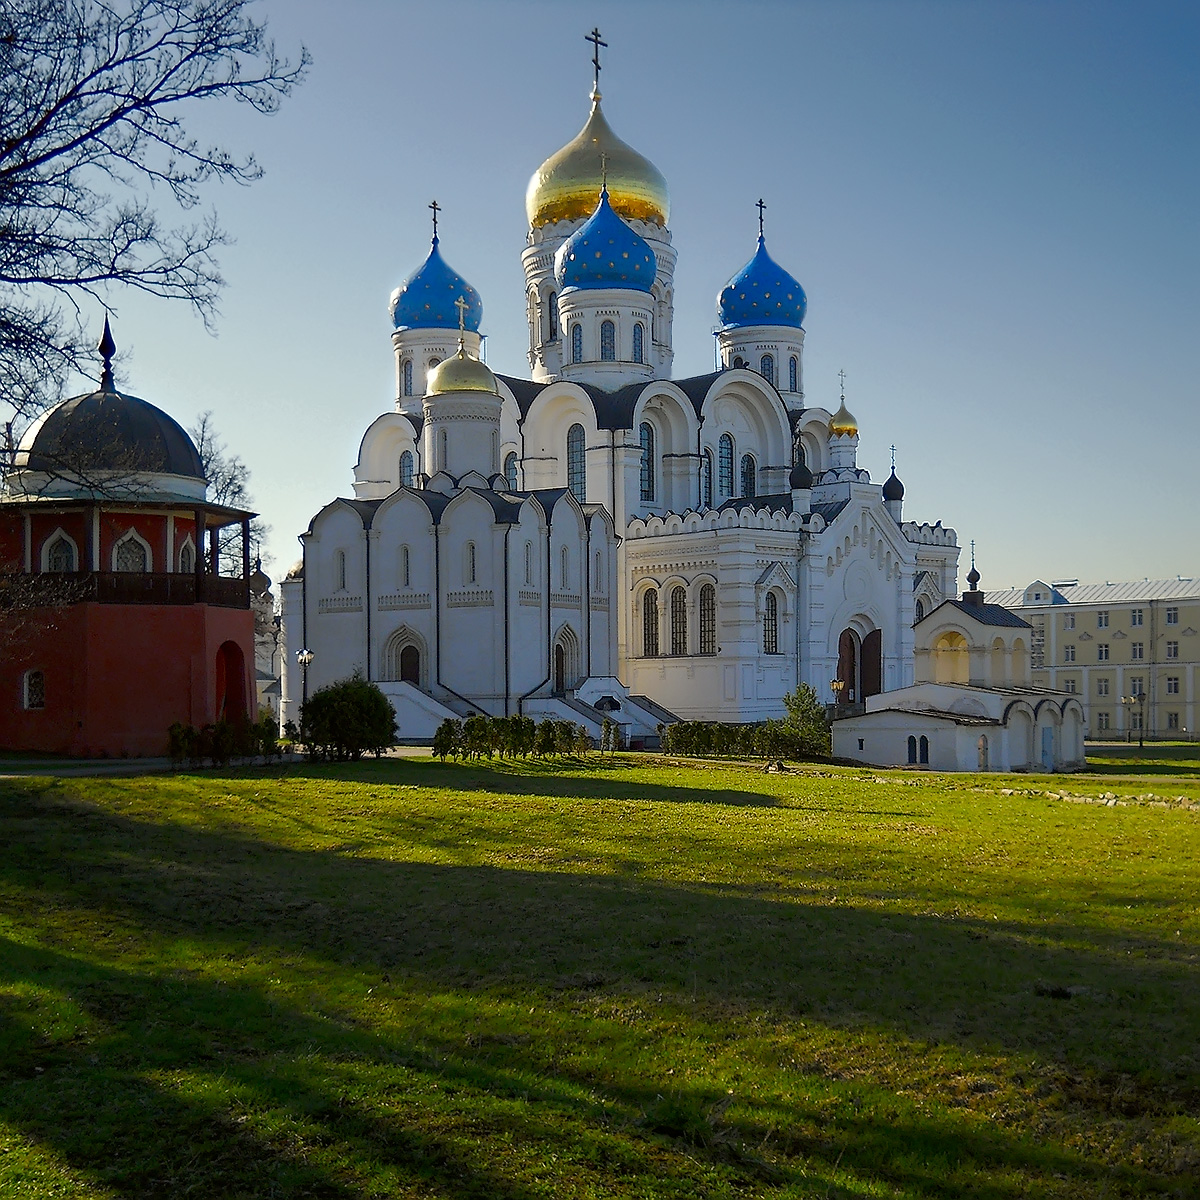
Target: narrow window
<point>552,317</point>
<point>576,463</point>
<point>510,471</point>
<point>564,568</point>
<point>131,555</point>
<point>470,565</point>
<point>406,469</point>
<point>920,611</point>
<point>924,750</point>
<point>912,741</point>
<point>405,568</point>
<point>529,563</point>
<point>441,449</point>
<point>187,558</point>
<point>646,436</point>
<point>793,373</point>
<point>408,376</point>
<point>608,341</point>
<point>60,556</point>
<point>34,689</point>
<point>339,568</point>
<point>748,475</point>
<point>433,362</point>
<point>678,621</point>
<point>650,623</point>
<point>708,619</point>
<point>771,625</point>
<point>725,466</point>
<point>766,368</point>
<point>706,479</point>
<point>577,343</point>
<point>739,362</point>
<point>598,575</point>
<point>639,343</point>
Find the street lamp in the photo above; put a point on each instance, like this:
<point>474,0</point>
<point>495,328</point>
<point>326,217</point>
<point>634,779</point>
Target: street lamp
<point>1138,698</point>
<point>304,658</point>
<point>837,686</point>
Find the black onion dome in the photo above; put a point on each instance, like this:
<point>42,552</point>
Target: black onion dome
<point>109,431</point>
<point>800,478</point>
<point>893,489</point>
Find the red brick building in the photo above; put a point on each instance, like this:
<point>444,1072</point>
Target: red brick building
<point>113,620</point>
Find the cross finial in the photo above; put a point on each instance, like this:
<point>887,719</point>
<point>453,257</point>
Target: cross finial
<point>893,458</point>
<point>972,554</point>
<point>842,377</point>
<point>436,208</point>
<point>760,206</point>
<point>462,306</point>
<point>604,169</point>
<point>594,38</point>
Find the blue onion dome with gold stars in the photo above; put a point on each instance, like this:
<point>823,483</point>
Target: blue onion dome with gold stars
<point>604,252</point>
<point>762,293</point>
<point>426,299</point>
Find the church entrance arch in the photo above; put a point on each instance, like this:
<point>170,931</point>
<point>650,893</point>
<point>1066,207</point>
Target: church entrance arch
<point>860,665</point>
<point>871,671</point>
<point>230,683</point>
<point>847,669</point>
<point>565,664</point>
<point>410,665</point>
<point>404,658</point>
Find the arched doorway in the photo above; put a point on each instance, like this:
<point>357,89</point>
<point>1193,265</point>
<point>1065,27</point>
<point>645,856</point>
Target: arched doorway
<point>951,658</point>
<point>560,669</point>
<point>847,669</point>
<point>565,668</point>
<point>983,752</point>
<point>403,658</point>
<point>230,683</point>
<point>410,665</point>
<point>871,671</point>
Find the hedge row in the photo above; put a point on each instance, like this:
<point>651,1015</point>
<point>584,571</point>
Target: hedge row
<point>517,737</point>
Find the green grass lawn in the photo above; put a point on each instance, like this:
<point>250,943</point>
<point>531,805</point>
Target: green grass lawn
<point>633,980</point>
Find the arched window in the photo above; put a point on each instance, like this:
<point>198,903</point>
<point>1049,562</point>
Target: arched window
<point>725,466</point>
<point>564,568</point>
<point>529,563</point>
<point>408,376</point>
<point>187,558</point>
<point>771,625</point>
<point>469,564</point>
<point>679,643</point>
<point>919,611</point>
<point>577,343</point>
<point>646,437</point>
<point>34,689</point>
<point>406,469</point>
<point>510,470</point>
<point>766,368</point>
<point>441,449</point>
<point>131,554</point>
<point>608,341</point>
<point>706,480</point>
<point>552,317</point>
<point>576,463</point>
<point>739,361</point>
<point>433,362</point>
<point>598,575</point>
<point>924,750</point>
<point>749,475</point>
<point>639,343</point>
<point>912,749</point>
<point>793,373</point>
<point>60,554</point>
<point>798,457</point>
<point>708,619</point>
<point>650,623</point>
<point>405,567</point>
<point>339,570</point>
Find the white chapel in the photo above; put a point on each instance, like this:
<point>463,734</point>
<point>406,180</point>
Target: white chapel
<point>601,539</point>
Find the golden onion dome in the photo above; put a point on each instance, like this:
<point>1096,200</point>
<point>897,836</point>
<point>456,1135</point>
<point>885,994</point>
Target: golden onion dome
<point>460,373</point>
<point>843,422</point>
<point>565,186</point>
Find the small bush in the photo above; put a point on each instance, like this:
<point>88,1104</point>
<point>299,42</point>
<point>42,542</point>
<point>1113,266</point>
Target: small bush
<point>346,720</point>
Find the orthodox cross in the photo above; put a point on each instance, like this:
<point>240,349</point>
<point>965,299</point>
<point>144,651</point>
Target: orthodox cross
<point>594,38</point>
<point>462,306</point>
<point>842,377</point>
<point>760,206</point>
<point>604,169</point>
<point>972,554</point>
<point>437,208</point>
<point>893,458</point>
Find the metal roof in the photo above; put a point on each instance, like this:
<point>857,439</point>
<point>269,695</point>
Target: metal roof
<point>1102,593</point>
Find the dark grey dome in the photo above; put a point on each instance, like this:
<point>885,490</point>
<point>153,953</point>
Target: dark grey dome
<point>800,478</point>
<point>108,431</point>
<point>893,489</point>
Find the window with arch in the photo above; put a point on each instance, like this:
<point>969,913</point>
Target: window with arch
<point>749,475</point>
<point>577,463</point>
<point>646,437</point>
<point>577,343</point>
<point>510,470</point>
<point>725,466</point>
<point>433,362</point>
<point>441,449</point>
<point>766,367</point>
<point>408,376</point>
<point>650,623</point>
<point>771,625</point>
<point>598,574</point>
<point>339,570</point>
<point>405,567</point>
<point>608,341</point>
<point>131,554</point>
<point>187,558</point>
<point>552,317</point>
<point>738,361</point>
<point>564,568</point>
<point>33,690</point>
<point>919,611</point>
<point>679,643</point>
<point>639,343</point>
<point>912,749</point>
<point>60,554</point>
<point>793,373</point>
<point>406,469</point>
<point>469,563</point>
<point>798,457</point>
<point>924,750</point>
<point>529,563</point>
<point>708,619</point>
<point>706,479</point>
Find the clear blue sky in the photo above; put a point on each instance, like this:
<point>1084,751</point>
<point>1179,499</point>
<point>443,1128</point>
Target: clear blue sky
<point>994,209</point>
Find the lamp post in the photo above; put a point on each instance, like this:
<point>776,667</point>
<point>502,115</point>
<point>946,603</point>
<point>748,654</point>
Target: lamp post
<point>304,658</point>
<point>837,686</point>
<point>1128,702</point>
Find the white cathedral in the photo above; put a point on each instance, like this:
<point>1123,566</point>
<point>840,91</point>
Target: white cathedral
<point>600,539</point>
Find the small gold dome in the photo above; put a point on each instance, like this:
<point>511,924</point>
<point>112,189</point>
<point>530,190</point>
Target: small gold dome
<point>566,185</point>
<point>843,422</point>
<point>460,373</point>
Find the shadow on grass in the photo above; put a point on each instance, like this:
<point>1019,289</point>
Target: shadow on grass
<point>109,1103</point>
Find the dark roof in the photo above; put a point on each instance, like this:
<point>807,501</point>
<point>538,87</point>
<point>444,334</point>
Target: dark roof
<point>109,431</point>
<point>988,614</point>
<point>829,510</point>
<point>773,503</point>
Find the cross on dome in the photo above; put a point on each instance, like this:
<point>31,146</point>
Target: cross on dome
<point>760,206</point>
<point>842,378</point>
<point>462,306</point>
<point>436,208</point>
<point>594,38</point>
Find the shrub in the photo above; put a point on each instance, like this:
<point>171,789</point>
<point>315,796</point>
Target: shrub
<point>447,740</point>
<point>346,720</point>
<point>806,723</point>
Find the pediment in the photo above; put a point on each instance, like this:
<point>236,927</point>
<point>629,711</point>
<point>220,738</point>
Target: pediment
<point>776,575</point>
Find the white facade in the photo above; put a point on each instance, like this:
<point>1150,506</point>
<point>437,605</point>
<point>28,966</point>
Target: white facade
<point>600,532</point>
